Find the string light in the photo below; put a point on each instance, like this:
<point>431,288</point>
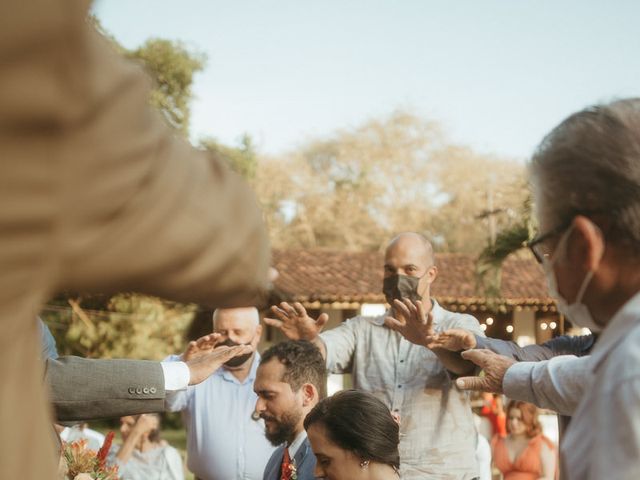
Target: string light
<point>543,325</point>
<point>483,327</point>
<point>553,325</point>
<point>489,321</point>
<point>509,328</point>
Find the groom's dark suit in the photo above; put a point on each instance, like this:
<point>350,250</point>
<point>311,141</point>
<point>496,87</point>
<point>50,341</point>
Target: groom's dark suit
<point>304,460</point>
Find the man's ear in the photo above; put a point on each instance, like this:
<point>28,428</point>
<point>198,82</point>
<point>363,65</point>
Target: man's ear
<point>587,245</point>
<point>257,336</point>
<point>432,273</point>
<point>309,395</point>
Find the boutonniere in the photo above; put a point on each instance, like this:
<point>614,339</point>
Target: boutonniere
<point>293,471</point>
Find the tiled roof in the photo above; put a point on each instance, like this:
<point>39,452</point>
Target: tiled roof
<point>337,276</point>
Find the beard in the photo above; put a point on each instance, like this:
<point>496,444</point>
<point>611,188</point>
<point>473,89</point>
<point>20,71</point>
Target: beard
<point>284,430</point>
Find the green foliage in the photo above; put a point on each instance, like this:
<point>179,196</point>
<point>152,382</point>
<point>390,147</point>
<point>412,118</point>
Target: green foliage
<point>508,242</point>
<point>131,326</point>
<point>171,66</point>
<point>241,159</point>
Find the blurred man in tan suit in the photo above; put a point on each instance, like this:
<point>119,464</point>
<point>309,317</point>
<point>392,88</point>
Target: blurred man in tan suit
<point>96,194</point>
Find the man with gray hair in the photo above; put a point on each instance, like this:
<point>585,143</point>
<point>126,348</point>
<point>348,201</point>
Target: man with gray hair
<point>586,183</point>
<point>225,439</point>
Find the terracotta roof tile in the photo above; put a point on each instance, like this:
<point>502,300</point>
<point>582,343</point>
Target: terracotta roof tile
<point>336,276</point>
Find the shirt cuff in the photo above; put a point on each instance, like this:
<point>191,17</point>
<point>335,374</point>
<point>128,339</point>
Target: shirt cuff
<point>176,375</point>
<point>516,383</point>
<point>480,341</point>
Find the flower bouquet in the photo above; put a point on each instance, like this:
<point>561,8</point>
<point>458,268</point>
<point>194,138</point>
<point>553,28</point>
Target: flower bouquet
<point>80,463</point>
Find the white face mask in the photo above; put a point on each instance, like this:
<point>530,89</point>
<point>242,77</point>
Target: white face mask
<point>577,312</point>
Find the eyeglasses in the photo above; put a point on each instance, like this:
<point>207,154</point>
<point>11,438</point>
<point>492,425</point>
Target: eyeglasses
<point>536,245</point>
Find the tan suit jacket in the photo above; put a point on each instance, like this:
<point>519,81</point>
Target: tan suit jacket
<point>97,194</point>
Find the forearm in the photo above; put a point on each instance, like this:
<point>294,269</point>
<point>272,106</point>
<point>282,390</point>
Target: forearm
<point>84,389</point>
<point>453,362</point>
<point>529,353</point>
<point>557,384</point>
<point>125,452</point>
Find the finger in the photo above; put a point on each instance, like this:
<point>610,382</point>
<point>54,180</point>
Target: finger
<point>272,322</point>
<point>480,357</point>
<point>300,311</point>
<point>401,309</point>
<point>289,310</point>
<point>392,323</point>
<point>425,318</point>
<point>281,314</point>
<point>473,383</point>
<point>206,342</point>
<point>322,320</point>
<point>240,350</point>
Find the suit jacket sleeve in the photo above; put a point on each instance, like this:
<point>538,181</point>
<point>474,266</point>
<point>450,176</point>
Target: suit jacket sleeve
<point>84,389</point>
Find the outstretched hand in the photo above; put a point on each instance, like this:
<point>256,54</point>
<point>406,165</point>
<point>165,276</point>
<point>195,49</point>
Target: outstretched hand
<point>295,323</point>
<point>495,366</point>
<point>456,340</point>
<point>203,365</point>
<point>413,323</point>
<point>201,346</point>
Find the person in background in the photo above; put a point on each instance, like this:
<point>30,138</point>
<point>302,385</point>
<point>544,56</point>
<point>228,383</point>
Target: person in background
<point>525,453</point>
<point>225,437</point>
<point>493,410</point>
<point>396,363</point>
<point>143,454</point>
<point>354,437</point>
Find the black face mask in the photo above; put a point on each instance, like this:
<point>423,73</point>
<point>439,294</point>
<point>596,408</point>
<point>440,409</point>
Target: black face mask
<point>239,360</point>
<point>397,287</point>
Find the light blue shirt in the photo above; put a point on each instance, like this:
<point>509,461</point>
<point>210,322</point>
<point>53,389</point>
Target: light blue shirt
<point>224,442</point>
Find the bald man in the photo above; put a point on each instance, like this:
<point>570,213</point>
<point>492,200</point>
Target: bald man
<point>390,356</point>
<point>225,439</point>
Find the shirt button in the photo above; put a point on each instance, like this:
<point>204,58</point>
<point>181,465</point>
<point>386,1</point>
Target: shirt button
<point>399,386</point>
<point>401,361</point>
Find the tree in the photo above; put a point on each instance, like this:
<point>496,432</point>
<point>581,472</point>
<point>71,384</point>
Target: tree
<point>361,186</point>
<point>126,325</point>
<point>241,159</point>
<point>171,67</point>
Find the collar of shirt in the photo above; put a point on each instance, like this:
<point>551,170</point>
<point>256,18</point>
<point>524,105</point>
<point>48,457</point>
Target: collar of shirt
<point>295,445</point>
<point>619,326</point>
<point>230,377</point>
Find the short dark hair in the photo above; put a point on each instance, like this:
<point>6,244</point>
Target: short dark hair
<point>303,363</point>
<point>359,422</point>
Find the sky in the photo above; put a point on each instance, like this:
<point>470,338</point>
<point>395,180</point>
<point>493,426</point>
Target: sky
<point>497,75</point>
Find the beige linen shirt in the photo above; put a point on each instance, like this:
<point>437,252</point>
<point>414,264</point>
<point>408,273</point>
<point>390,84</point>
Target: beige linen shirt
<point>97,194</point>
<point>437,433</point>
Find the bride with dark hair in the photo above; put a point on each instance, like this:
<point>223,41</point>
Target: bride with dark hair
<point>354,437</point>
